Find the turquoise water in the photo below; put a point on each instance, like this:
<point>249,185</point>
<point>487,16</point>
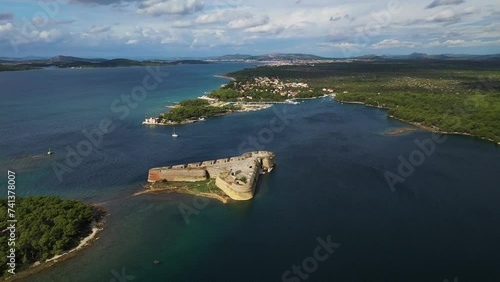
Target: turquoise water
<point>441,223</point>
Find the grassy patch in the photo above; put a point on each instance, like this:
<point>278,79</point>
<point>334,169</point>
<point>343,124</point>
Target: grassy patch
<point>207,186</point>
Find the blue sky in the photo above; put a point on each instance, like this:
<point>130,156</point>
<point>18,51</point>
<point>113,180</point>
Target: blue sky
<point>191,28</point>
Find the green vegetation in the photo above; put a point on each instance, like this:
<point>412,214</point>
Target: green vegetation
<point>448,95</point>
<point>194,109</point>
<point>194,103</point>
<point>47,226</point>
<point>226,94</point>
<point>16,67</point>
<point>207,186</point>
<point>243,179</point>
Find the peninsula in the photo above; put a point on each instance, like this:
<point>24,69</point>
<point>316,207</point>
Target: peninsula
<point>239,95</point>
<point>235,177</point>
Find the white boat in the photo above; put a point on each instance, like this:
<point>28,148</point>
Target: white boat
<point>174,134</point>
<point>50,152</point>
<point>201,119</point>
<point>292,102</point>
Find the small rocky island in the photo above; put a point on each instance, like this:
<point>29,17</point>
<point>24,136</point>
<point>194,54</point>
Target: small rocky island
<point>236,177</point>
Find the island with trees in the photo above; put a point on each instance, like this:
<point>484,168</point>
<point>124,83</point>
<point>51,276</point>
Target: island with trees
<point>50,227</point>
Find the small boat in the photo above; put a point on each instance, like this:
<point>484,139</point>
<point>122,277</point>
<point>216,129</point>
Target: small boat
<point>174,134</point>
<point>292,102</point>
<point>201,119</point>
<point>50,152</point>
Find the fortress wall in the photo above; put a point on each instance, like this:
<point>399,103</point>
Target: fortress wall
<point>178,175</point>
<point>253,178</point>
<point>233,194</point>
<point>267,163</point>
<point>207,163</point>
<point>236,159</point>
<point>254,174</point>
<point>154,175</point>
<point>201,171</point>
<point>214,172</point>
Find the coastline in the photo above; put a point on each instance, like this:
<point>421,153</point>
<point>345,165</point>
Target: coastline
<point>250,108</point>
<point>400,131</point>
<point>437,130</point>
<point>225,76</point>
<point>420,125</point>
<point>96,227</point>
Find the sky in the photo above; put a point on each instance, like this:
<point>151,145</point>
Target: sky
<point>200,28</point>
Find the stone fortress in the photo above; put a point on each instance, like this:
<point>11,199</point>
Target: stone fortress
<point>236,176</point>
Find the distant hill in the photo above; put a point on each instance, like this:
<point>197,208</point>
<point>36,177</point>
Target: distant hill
<point>76,62</point>
<point>189,62</point>
<point>234,57</point>
<point>424,56</point>
<point>69,59</point>
<point>270,57</point>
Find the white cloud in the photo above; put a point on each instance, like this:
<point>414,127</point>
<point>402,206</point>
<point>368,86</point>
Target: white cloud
<point>182,24</point>
<point>465,43</point>
<point>393,43</point>
<point>245,25</point>
<point>216,17</point>
<point>344,45</point>
<point>50,35</point>
<point>248,22</point>
<point>160,7</point>
<point>6,28</point>
<point>168,40</point>
<point>437,3</point>
<point>267,28</point>
<point>99,29</point>
<point>454,42</point>
<point>447,15</point>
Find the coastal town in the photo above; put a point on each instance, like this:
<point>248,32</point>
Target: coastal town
<point>239,96</point>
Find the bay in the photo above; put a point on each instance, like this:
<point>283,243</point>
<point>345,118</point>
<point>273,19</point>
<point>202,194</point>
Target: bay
<point>441,223</point>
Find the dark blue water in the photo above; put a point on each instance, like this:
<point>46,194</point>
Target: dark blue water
<point>441,223</point>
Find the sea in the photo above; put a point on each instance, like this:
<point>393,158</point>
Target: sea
<point>345,202</point>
